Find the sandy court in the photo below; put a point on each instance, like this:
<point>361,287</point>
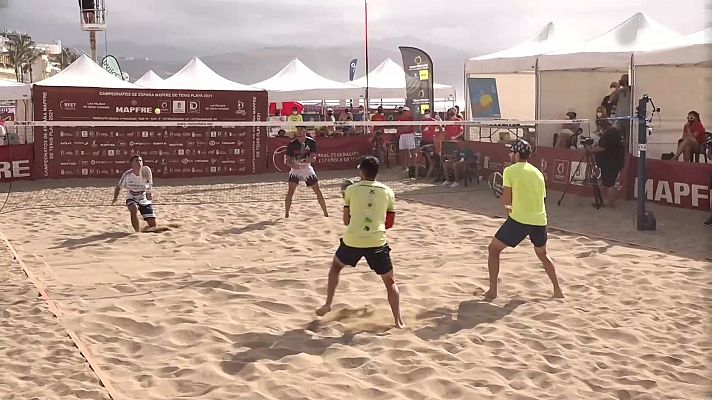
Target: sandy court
<point>224,304</point>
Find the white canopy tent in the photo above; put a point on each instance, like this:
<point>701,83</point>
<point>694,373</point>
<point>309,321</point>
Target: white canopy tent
<point>297,82</point>
<point>150,80</point>
<point>14,90</point>
<point>521,57</point>
<point>696,50</point>
<point>515,71</point>
<point>614,48</point>
<point>198,76</point>
<point>84,72</point>
<point>387,81</point>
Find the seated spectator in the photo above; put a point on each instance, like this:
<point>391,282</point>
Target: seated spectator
<point>456,165</point>
<point>606,104</point>
<point>281,133</point>
<point>564,139</point>
<point>433,161</point>
<point>693,136</point>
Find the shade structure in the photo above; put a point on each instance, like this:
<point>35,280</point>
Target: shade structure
<point>150,80</point>
<point>387,81</point>
<point>521,57</point>
<point>14,91</point>
<point>84,72</point>
<point>197,76</point>
<point>696,51</point>
<point>297,82</point>
<point>614,48</point>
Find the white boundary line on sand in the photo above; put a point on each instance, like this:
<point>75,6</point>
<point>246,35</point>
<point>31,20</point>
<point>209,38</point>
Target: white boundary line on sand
<point>57,311</point>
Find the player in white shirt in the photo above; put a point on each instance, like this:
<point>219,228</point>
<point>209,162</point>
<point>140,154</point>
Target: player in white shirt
<point>138,182</point>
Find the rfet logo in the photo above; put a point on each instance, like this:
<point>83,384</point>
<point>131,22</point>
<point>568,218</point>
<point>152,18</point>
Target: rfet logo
<point>68,105</point>
<point>279,159</point>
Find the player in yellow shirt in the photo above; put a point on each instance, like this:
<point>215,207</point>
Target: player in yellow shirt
<point>524,195</point>
<point>295,119</point>
<point>368,212</point>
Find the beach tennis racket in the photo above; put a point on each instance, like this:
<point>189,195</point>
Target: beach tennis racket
<point>496,182</point>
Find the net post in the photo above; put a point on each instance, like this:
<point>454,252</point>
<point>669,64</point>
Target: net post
<point>645,221</point>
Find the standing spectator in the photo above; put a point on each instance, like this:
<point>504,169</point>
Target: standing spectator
<point>406,139</point>
<point>610,157</point>
<point>429,131</point>
<point>294,121</point>
<point>622,106</point>
<point>458,113</point>
<point>378,116</point>
<point>602,122</point>
<point>453,132</point>
<point>693,136</point>
<point>330,130</point>
<point>606,103</point>
<point>88,8</point>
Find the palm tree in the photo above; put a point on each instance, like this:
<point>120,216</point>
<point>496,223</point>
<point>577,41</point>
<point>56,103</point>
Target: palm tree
<point>22,54</point>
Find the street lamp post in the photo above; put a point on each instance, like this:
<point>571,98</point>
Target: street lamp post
<point>368,100</point>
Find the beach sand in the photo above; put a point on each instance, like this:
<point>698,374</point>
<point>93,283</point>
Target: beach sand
<point>223,306</point>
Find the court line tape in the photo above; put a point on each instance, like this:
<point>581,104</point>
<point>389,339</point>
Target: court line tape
<point>552,228</point>
<point>59,314</point>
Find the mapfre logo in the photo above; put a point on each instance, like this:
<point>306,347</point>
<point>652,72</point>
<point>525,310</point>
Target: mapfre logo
<point>134,110</point>
<point>68,105</point>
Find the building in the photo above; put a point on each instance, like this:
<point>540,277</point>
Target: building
<point>47,64</point>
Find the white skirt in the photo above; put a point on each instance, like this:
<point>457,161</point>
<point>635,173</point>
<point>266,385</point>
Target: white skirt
<point>406,141</point>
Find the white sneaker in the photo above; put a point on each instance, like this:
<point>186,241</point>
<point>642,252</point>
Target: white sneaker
<point>445,183</point>
<point>454,184</point>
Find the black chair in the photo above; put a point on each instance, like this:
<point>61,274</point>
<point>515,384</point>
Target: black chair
<point>703,149</point>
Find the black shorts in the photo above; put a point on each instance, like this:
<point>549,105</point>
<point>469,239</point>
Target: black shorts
<point>146,210</point>
<point>378,258</point>
<point>609,175</point>
<point>309,180</point>
<point>512,233</point>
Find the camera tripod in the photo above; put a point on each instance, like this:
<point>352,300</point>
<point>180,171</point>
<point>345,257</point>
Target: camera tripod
<point>590,177</point>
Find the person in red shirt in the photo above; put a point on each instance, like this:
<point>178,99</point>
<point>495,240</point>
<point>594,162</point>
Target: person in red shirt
<point>693,136</point>
<point>429,131</point>
<point>453,132</point>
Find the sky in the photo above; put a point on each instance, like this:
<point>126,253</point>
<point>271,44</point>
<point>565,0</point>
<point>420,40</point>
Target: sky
<point>205,27</point>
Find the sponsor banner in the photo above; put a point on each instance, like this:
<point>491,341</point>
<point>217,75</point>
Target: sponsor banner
<point>333,153</point>
<point>558,166</point>
<point>171,151</point>
<point>102,152</point>
<point>352,68</point>
<point>418,67</point>
<point>92,104</point>
<point>16,162</point>
<point>676,184</point>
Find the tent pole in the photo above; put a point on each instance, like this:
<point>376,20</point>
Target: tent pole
<point>632,83</point>
<point>467,95</point>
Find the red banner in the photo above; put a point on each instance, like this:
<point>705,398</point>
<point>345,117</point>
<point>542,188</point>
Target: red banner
<point>558,166</point>
<point>16,162</point>
<point>676,184</point>
<point>170,151</point>
<point>333,153</point>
